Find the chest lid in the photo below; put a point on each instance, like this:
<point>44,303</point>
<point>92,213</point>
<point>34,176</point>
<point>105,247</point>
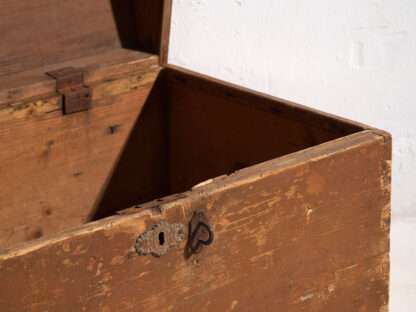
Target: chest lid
<point>37,33</point>
<point>103,37</point>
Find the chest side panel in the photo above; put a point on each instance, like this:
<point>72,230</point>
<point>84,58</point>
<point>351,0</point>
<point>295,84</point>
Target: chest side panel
<point>306,232</point>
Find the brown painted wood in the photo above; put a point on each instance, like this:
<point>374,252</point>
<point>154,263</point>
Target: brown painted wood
<point>53,167</point>
<point>299,200</point>
<point>167,147</point>
<point>305,232</point>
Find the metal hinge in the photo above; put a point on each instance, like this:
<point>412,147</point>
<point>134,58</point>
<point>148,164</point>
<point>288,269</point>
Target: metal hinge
<point>70,83</point>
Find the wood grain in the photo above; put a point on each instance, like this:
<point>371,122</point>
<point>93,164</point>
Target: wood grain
<point>53,167</point>
<point>111,64</point>
<point>165,32</point>
<point>39,33</point>
<point>152,20</point>
<point>120,154</point>
<point>305,232</point>
<point>278,106</point>
<point>216,128</point>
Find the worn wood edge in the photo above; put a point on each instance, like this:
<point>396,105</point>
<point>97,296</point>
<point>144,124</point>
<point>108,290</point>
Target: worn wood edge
<point>385,221</point>
<point>51,105</point>
<point>262,101</point>
<point>218,184</point>
<point>290,161</point>
<point>165,32</point>
<point>152,208</point>
<point>35,83</point>
<point>386,135</point>
<point>48,240</point>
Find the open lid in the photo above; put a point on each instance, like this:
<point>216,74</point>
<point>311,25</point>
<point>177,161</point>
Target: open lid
<point>36,33</point>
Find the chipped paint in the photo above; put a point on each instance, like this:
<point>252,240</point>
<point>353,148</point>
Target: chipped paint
<point>308,210</point>
<point>202,184</point>
<point>319,295</point>
<point>292,190</point>
<point>233,305</point>
<point>286,251</point>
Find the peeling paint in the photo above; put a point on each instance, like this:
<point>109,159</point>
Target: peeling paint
<point>320,295</point>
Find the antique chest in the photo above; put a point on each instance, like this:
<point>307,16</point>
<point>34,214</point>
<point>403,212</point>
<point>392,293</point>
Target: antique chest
<point>127,184</point>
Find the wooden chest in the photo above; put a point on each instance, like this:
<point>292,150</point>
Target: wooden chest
<point>127,184</point>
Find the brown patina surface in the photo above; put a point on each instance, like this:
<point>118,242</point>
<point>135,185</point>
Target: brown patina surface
<point>298,200</point>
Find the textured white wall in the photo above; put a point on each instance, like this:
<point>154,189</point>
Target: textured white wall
<point>353,58</point>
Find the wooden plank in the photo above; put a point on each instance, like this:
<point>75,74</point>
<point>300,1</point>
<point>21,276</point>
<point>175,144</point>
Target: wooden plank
<point>281,107</point>
<point>152,20</point>
<point>38,33</point>
<point>53,167</point>
<point>215,128</point>
<point>305,232</point>
<point>165,32</point>
<point>111,64</point>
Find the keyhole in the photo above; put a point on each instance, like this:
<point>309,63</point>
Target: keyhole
<point>161,238</point>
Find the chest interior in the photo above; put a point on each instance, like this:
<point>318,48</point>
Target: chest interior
<point>152,130</point>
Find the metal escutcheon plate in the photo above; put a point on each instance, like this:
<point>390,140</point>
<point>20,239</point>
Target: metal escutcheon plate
<point>158,240</point>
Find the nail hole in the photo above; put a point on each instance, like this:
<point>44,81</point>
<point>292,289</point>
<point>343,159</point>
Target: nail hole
<point>161,238</point>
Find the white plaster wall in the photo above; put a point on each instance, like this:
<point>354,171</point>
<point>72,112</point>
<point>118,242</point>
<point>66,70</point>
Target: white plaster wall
<point>353,58</point>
